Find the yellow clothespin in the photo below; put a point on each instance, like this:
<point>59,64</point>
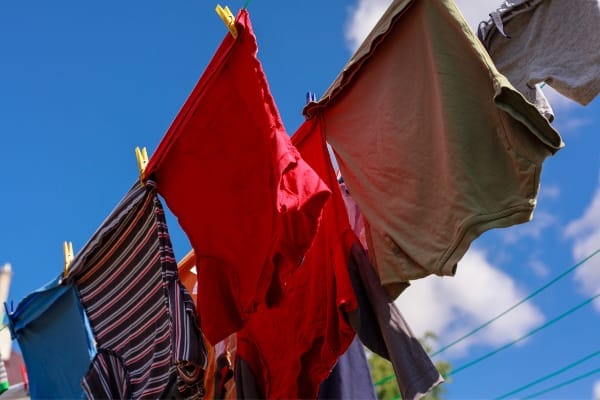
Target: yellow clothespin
<point>142,161</point>
<point>228,19</point>
<point>69,255</point>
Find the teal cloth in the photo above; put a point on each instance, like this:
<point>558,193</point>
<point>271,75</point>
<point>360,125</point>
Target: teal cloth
<point>55,339</point>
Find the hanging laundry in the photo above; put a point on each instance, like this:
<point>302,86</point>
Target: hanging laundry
<point>434,144</point>
<point>354,215</point>
<point>186,268</point>
<point>557,42</point>
<point>245,382</point>
<point>215,387</point>
<point>209,372</point>
<point>350,378</point>
<point>143,320</point>
<point>55,339</point>
<point>292,347</point>
<point>224,380</point>
<point>378,322</point>
<point>219,381</point>
<point>383,330</point>
<point>228,172</point>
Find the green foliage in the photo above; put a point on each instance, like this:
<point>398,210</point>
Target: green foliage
<point>442,366</point>
<point>381,369</point>
<point>383,374</point>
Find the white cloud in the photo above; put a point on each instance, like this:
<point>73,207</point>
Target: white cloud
<point>366,13</point>
<point>557,100</point>
<point>452,306</point>
<point>477,11</point>
<point>562,106</point>
<point>597,390</point>
<point>570,126</point>
<point>585,233</point>
<point>533,229</point>
<point>549,192</point>
<point>363,18</point>
<point>539,268</point>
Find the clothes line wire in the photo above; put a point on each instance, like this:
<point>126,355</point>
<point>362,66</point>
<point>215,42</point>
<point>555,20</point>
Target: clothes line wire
<point>551,375</point>
<point>485,324</point>
<point>509,344</point>
<point>529,297</point>
<point>543,326</point>
<point>565,383</point>
<point>552,388</point>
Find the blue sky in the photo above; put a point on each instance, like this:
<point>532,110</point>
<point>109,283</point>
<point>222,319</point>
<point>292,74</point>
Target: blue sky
<point>83,84</point>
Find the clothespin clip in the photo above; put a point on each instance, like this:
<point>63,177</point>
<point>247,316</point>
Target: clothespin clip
<point>228,19</point>
<point>69,255</point>
<point>142,160</point>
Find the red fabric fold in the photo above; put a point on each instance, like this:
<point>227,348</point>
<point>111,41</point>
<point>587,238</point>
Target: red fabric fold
<point>292,347</point>
<point>229,173</point>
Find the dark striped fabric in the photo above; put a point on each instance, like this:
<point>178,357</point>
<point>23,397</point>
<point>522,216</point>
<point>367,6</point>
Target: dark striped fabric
<point>107,375</point>
<point>143,319</point>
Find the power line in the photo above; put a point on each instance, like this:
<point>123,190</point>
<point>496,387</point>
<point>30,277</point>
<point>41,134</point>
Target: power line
<point>529,297</point>
<point>384,380</point>
<point>568,382</point>
<point>535,293</point>
<point>551,375</point>
<point>543,326</point>
<point>558,386</point>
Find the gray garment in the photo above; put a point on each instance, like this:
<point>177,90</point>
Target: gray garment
<point>552,41</point>
<point>488,29</point>
<point>381,327</point>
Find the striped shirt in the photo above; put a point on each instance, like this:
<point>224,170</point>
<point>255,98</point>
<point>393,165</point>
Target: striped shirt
<point>142,318</point>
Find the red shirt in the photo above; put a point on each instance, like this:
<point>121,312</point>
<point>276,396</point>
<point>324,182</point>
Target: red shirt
<point>292,347</point>
<point>229,173</point>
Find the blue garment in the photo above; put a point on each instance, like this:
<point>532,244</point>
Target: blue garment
<point>351,376</point>
<point>55,339</point>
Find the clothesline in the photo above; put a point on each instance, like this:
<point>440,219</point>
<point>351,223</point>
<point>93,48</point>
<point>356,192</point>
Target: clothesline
<point>505,312</point>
